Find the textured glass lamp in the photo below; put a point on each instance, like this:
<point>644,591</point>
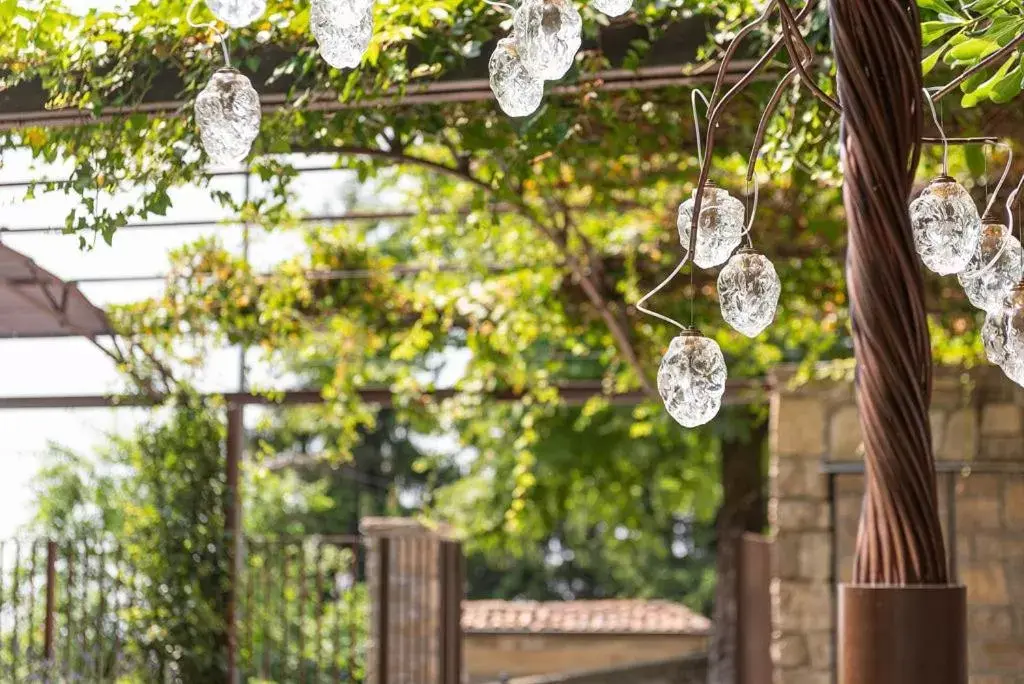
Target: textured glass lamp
<point>518,92</point>
<point>613,8</point>
<point>719,227</point>
<point>228,115</point>
<point>994,269</point>
<point>748,291</point>
<point>1013,329</point>
<point>342,29</point>
<point>548,36</point>
<point>946,226</point>
<point>691,378</point>
<point>237,13</point>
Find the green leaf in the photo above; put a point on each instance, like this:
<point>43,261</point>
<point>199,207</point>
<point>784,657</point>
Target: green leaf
<point>931,31</point>
<point>1008,87</point>
<point>971,50</point>
<point>930,61</point>
<point>938,6</point>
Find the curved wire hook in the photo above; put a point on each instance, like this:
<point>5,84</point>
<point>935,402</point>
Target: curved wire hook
<point>210,25</point>
<point>1009,233</point>
<point>643,309</point>
<point>500,5</point>
<point>945,140</point>
<point>694,94</point>
<point>1002,179</point>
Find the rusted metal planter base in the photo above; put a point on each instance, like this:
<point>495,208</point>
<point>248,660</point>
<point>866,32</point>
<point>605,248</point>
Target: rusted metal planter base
<point>902,635</point>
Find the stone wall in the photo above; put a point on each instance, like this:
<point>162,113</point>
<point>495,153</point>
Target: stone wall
<point>977,421</point>
<point>686,670</point>
<point>490,655</point>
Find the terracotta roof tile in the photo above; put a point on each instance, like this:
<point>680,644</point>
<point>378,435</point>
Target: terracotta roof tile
<point>618,616</point>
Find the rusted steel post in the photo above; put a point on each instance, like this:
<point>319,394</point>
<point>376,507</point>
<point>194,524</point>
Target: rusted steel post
<point>233,534</point>
<point>890,623</point>
<point>51,599</point>
<point>383,627</point>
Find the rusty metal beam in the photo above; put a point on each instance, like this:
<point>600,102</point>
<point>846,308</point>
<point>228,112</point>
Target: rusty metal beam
<point>668,63</point>
<point>741,391</point>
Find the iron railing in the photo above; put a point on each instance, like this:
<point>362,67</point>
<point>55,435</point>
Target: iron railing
<point>80,612</point>
<point>308,610</point>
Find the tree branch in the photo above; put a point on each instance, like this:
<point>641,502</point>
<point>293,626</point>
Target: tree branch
<point>996,57</point>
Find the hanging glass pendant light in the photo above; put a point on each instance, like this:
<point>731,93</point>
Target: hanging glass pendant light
<point>993,335</point>
<point>993,269</point>
<point>719,228</point>
<point>691,378</point>
<point>946,226</point>
<point>343,30</point>
<point>518,92</point>
<point>748,290</point>
<point>1012,328</point>
<point>548,36</point>
<point>228,115</point>
<point>613,8</point>
<point>237,13</point>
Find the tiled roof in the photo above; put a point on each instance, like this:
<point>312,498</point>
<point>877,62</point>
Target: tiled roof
<point>616,616</point>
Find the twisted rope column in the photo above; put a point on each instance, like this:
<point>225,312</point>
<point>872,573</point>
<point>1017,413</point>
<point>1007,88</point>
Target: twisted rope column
<point>878,56</point>
<point>900,621</point>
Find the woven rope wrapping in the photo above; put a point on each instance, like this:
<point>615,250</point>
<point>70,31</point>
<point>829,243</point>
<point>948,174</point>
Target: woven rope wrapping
<point>878,56</point>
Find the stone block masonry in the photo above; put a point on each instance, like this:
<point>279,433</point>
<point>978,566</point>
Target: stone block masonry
<point>977,422</point>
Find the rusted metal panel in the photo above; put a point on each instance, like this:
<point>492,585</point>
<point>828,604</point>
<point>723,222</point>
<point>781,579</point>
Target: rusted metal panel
<point>754,610</point>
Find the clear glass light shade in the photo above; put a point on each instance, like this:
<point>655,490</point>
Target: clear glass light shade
<point>518,92</point>
<point>993,270</point>
<point>993,334</point>
<point>1013,325</point>
<point>691,379</point>
<point>548,36</point>
<point>748,291</point>
<point>237,13</point>
<point>343,29</point>
<point>228,116</point>
<point>946,226</point>
<point>719,228</point>
<point>613,8</point>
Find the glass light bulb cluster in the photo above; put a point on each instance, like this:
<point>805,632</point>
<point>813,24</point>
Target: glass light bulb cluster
<point>748,291</point>
<point>613,8</point>
<point>343,30</point>
<point>518,92</point>
<point>228,115</point>
<point>237,13</point>
<point>691,379</point>
<point>994,268</point>
<point>946,226</point>
<point>548,35</point>
<point>719,227</point>
<point>545,38</point>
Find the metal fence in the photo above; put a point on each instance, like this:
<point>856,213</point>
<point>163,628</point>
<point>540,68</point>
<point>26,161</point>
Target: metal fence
<point>307,610</point>
<point>81,612</point>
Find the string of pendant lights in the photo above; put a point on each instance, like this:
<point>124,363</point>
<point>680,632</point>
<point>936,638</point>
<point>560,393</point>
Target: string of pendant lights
<point>950,235</point>
<point>692,375</point>
<point>543,44</point>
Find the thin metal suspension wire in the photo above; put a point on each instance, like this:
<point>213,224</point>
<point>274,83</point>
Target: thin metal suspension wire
<point>694,94</point>
<point>210,25</point>
<point>1011,204</point>
<point>1009,211</point>
<point>942,132</point>
<point>500,5</point>
<point>643,309</point>
<point>1002,178</point>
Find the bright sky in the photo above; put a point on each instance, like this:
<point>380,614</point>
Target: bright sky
<point>74,366</point>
